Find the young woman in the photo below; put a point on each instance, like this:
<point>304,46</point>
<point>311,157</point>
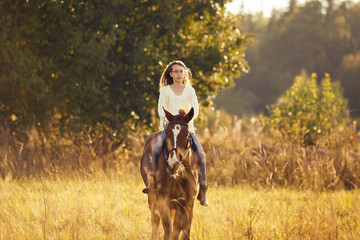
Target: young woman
<point>176,92</point>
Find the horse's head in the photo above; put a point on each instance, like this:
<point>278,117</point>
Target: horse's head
<point>177,138</point>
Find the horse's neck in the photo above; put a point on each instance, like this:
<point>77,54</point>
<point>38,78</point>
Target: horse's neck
<point>191,159</point>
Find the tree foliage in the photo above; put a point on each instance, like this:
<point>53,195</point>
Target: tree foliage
<point>318,36</point>
<point>307,112</point>
<point>81,64</point>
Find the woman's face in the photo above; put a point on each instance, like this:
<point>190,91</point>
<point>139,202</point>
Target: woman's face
<point>177,73</point>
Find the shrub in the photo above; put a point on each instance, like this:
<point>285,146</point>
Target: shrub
<point>307,112</point>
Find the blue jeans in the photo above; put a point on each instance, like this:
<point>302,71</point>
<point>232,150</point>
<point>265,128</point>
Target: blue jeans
<point>195,145</point>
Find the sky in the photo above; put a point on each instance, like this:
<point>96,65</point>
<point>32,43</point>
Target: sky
<point>266,6</point>
<point>253,6</point>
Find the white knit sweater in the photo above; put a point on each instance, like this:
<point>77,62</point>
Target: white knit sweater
<point>172,103</point>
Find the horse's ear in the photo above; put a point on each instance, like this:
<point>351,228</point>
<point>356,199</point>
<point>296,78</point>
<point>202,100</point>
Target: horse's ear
<point>168,115</point>
<point>189,115</point>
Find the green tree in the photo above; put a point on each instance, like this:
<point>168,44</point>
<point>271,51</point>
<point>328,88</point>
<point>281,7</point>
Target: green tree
<point>82,64</point>
<point>348,72</point>
<point>318,36</point>
<point>54,61</point>
<point>307,112</point>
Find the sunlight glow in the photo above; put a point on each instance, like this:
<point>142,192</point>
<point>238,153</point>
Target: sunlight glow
<point>254,6</point>
<point>266,6</point>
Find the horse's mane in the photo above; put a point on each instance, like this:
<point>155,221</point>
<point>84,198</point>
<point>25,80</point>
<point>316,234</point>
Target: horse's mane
<point>182,111</point>
<point>184,116</point>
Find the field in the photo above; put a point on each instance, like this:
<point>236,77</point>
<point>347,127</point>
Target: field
<point>78,187</point>
<point>78,99</point>
<point>113,207</point>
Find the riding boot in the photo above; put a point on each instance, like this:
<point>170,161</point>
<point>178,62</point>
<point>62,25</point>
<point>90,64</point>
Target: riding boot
<point>202,195</point>
<point>199,151</point>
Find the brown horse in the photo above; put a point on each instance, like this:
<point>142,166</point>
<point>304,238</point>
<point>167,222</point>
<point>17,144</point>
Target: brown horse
<point>173,188</point>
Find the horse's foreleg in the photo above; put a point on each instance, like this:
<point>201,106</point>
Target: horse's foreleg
<point>185,234</point>
<point>166,221</point>
<point>176,223</point>
<point>155,213</point>
<point>187,217</point>
<point>155,221</point>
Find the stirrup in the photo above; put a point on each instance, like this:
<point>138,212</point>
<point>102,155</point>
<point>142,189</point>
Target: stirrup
<point>145,190</point>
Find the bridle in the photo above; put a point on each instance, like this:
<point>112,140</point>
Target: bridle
<point>188,141</point>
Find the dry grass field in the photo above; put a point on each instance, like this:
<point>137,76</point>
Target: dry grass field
<point>113,207</point>
<point>77,187</point>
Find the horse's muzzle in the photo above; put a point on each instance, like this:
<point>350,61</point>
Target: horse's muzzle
<point>173,168</point>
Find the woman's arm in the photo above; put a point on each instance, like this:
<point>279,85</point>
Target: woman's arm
<point>162,103</point>
<point>194,102</point>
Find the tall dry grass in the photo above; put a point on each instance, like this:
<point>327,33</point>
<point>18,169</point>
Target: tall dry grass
<point>81,187</point>
<point>238,151</point>
<point>51,153</point>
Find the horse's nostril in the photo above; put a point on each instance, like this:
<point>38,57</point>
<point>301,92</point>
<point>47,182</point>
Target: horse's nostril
<point>175,167</point>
